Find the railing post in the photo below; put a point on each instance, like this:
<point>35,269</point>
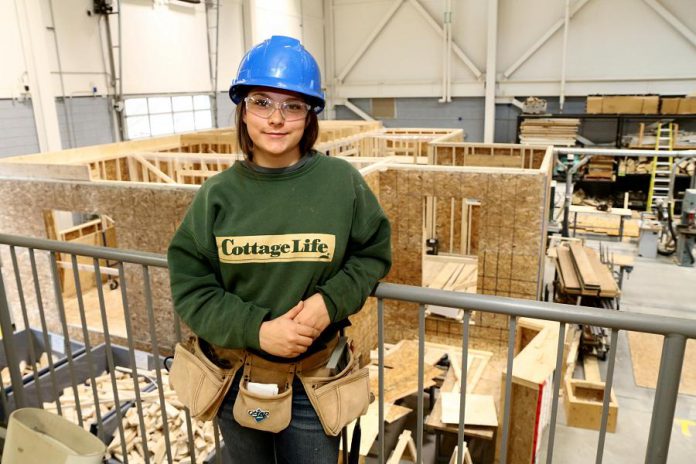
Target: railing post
<point>665,399</point>
<point>8,344</point>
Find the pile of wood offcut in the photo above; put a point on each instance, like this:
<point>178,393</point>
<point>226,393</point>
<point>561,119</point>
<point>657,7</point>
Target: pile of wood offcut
<point>203,433</point>
<point>26,368</point>
<point>644,165</point>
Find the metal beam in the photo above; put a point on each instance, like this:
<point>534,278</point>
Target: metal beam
<point>329,59</point>
<point>542,40</point>
<point>348,104</point>
<point>457,50</point>
<point>672,20</point>
<point>371,38</point>
<point>623,152</point>
<point>564,59</point>
<point>509,101</point>
<point>491,58</point>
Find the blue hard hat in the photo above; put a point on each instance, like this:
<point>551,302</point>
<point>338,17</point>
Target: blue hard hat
<point>280,63</point>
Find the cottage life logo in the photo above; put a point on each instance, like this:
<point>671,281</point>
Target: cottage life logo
<point>276,248</point>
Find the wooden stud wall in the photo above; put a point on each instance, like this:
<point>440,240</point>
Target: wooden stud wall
<point>492,155</point>
<point>511,234</point>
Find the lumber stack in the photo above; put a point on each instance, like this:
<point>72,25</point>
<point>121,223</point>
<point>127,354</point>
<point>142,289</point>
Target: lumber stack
<point>549,131</point>
<point>580,272</point>
<point>600,168</point>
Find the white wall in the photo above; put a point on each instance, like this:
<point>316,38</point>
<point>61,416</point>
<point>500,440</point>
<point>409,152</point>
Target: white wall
<point>84,62</point>
<point>14,68</point>
<point>165,48</point>
<point>617,46</point>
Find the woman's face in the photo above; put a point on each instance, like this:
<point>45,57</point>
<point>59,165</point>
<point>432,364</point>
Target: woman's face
<point>276,139</point>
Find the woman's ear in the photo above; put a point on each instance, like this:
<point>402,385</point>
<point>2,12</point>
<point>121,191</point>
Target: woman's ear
<point>244,114</point>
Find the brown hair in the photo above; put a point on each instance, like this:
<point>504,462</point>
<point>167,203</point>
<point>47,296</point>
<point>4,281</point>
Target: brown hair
<point>309,137</point>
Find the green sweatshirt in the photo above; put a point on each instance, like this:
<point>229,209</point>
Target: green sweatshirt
<point>253,244</point>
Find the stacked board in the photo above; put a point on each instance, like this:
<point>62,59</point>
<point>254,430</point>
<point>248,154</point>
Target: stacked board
<point>580,272</point>
<point>550,131</point>
<point>600,168</point>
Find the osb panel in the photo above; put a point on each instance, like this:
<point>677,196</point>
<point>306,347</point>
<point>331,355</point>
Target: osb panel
<point>443,220</point>
<point>146,232</point>
<point>523,408</point>
<point>363,330</point>
<point>508,225</point>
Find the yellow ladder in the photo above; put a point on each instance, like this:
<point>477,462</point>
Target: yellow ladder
<point>661,166</point>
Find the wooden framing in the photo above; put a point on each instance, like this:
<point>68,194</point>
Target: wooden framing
<point>147,185</point>
<point>501,155</point>
<point>511,235</point>
<point>532,373</point>
<point>583,398</point>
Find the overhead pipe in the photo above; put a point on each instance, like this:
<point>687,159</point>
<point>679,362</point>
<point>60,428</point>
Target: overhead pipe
<point>564,57</point>
<point>491,78</point>
<point>443,99</point>
<point>447,53</point>
<point>623,152</point>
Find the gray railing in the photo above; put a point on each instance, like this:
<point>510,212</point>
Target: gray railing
<point>675,330</point>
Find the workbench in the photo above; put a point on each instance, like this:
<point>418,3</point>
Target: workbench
<point>622,213</point>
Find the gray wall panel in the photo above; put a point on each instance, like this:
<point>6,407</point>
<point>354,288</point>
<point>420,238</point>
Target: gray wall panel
<point>17,129</point>
<point>91,119</point>
<point>226,109</point>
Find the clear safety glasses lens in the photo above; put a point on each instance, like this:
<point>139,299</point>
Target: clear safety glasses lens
<point>289,109</point>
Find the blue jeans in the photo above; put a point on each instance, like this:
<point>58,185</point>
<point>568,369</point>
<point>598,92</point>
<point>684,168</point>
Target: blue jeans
<point>303,442</point>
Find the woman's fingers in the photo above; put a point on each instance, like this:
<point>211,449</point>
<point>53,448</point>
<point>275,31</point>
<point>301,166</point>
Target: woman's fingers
<point>294,311</point>
<point>307,331</point>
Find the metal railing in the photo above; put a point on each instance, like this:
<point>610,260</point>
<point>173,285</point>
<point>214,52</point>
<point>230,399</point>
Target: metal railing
<point>675,330</point>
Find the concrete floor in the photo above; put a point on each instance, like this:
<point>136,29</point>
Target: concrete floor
<point>655,287</point>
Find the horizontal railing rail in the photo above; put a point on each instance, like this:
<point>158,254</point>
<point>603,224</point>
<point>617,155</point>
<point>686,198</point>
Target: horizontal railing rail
<point>674,330</point>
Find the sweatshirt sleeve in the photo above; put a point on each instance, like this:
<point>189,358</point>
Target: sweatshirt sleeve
<point>216,315</point>
<point>368,257</point>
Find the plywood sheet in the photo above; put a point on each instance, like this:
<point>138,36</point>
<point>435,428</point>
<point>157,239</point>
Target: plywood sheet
<point>646,350</point>
<point>480,409</point>
<point>401,380</point>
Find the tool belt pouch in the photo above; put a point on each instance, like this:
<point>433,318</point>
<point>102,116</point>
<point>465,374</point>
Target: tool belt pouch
<point>268,413</point>
<point>200,384</point>
<point>339,399</point>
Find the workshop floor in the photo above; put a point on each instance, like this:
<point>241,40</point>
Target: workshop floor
<point>654,287</point>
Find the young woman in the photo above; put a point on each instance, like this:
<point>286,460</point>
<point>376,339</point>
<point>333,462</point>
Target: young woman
<point>276,252</point>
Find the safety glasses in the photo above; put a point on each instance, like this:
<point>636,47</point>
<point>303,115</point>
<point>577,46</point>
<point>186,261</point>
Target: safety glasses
<point>264,107</point>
